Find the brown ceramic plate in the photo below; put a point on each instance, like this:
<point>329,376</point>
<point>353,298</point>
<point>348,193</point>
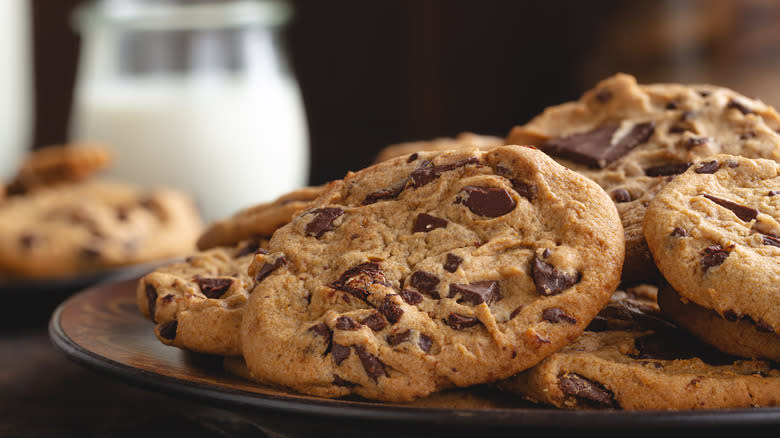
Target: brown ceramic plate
<point>102,329</point>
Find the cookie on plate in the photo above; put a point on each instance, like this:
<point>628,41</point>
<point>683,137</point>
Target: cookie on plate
<point>91,226</point>
<point>197,304</point>
<point>714,234</point>
<point>632,358</point>
<point>462,140</point>
<point>632,139</point>
<point>58,164</point>
<point>432,270</point>
<point>258,220</point>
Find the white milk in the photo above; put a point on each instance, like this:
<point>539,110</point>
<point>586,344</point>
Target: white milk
<point>15,85</point>
<point>230,142</point>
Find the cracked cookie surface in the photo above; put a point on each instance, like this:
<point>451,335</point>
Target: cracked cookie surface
<point>431,270</point>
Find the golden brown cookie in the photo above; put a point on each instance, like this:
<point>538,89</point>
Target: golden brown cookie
<point>57,164</point>
<point>462,140</point>
<point>258,220</point>
<point>632,139</point>
<point>431,270</point>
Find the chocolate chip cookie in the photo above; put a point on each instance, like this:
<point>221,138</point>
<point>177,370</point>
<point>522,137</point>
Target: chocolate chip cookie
<point>632,139</point>
<point>197,304</point>
<point>632,358</point>
<point>58,164</point>
<point>714,234</point>
<point>432,270</point>
<point>258,220</point>
<point>462,140</point>
<point>93,225</point>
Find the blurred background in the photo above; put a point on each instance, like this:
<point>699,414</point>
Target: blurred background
<point>373,73</point>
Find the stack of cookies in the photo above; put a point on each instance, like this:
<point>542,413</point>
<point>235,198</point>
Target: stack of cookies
<point>614,252</point>
<point>58,219</point>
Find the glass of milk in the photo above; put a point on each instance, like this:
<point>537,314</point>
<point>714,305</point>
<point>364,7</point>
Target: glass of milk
<point>196,95</point>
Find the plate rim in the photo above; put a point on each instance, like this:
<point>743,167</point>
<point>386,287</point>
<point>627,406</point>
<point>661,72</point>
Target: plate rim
<point>499,417</point>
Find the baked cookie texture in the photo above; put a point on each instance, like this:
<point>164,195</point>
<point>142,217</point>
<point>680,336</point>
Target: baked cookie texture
<point>431,270</point>
<point>59,164</point>
<point>93,225</point>
<point>633,138</point>
<point>197,304</point>
<point>462,140</point>
<point>632,358</point>
<point>256,221</point>
<point>713,232</point>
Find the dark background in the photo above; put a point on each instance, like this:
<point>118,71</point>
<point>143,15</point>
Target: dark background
<point>378,72</point>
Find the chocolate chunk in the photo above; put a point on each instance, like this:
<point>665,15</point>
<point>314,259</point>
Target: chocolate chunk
<point>741,107</point>
<point>381,195</point>
<point>604,96</point>
<point>390,309</point>
<point>747,135</point>
<point>395,339</point>
<point>411,296</point>
<point>667,169</point>
<point>771,240</point>
<point>339,353</point>
<point>452,262</point>
<point>694,142</point>
<point>526,190</point>
<point>459,322</point>
<point>250,247</point>
<point>425,342</point>
<point>479,292</point>
<point>556,315</point>
<point>621,195</point>
<point>167,330</point>
<point>763,326</point>
<point>731,315</point>
<point>357,279</point>
<point>548,280</point>
<point>28,239</point>
<point>425,282</point>
<point>347,323</point>
<point>375,322</point>
<point>168,299</point>
<point>486,201</point>
<point>713,256</point>
<point>425,223</point>
<point>704,93</point>
<point>425,173</point>
<point>595,148</point>
<point>412,157</point>
<point>679,232</point>
<point>671,105</point>
<point>151,298</point>
<point>516,312</point>
<point>745,213</point>
<point>587,391</point>
<point>773,193</point>
<point>267,268</point>
<point>321,329</point>
<point>338,381</point>
<point>213,287</point>
<point>371,364</point>
<point>707,167</point>
<point>323,221</point>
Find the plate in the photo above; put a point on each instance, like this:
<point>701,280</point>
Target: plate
<point>102,329</point>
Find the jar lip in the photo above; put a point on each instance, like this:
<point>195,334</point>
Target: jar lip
<point>179,16</point>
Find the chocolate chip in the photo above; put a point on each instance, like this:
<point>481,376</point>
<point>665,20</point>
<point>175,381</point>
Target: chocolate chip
<point>587,391</point>
<point>526,190</point>
<point>167,330</point>
<point>339,353</point>
<point>679,232</point>
<point>667,169</point>
<point>773,193</point>
<point>745,213</point>
<point>486,201</point>
<point>425,342</point>
<point>322,221</point>
<point>249,247</point>
<point>28,239</point>
<point>357,279</point>
<point>371,364</point>
<point>621,195</point>
<point>704,93</point>
<point>425,282</point>
<point>747,135</point>
<point>375,322</point>
<point>556,315</point>
<point>452,262</point>
<point>548,280</point>
<point>151,298</point>
<point>731,315</point>
<point>672,105</point>
<point>476,293</point>
<point>168,299</point>
<point>338,381</point>
<point>707,167</point>
<point>381,195</point>
<point>595,148</point>
<point>410,296</point>
<point>267,268</point>
<point>425,223</point>
<point>425,173</point>
<point>741,107</point>
<point>390,309</point>
<point>694,142</point>
<point>604,96</point>
<point>395,339</point>
<point>412,157</point>
<point>713,256</point>
<point>213,287</point>
<point>347,323</point>
<point>763,326</point>
<point>459,322</point>
<point>771,240</point>
<point>322,330</point>
<point>516,312</point>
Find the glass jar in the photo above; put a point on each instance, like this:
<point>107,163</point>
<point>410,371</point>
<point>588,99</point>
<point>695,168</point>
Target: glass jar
<point>196,95</point>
